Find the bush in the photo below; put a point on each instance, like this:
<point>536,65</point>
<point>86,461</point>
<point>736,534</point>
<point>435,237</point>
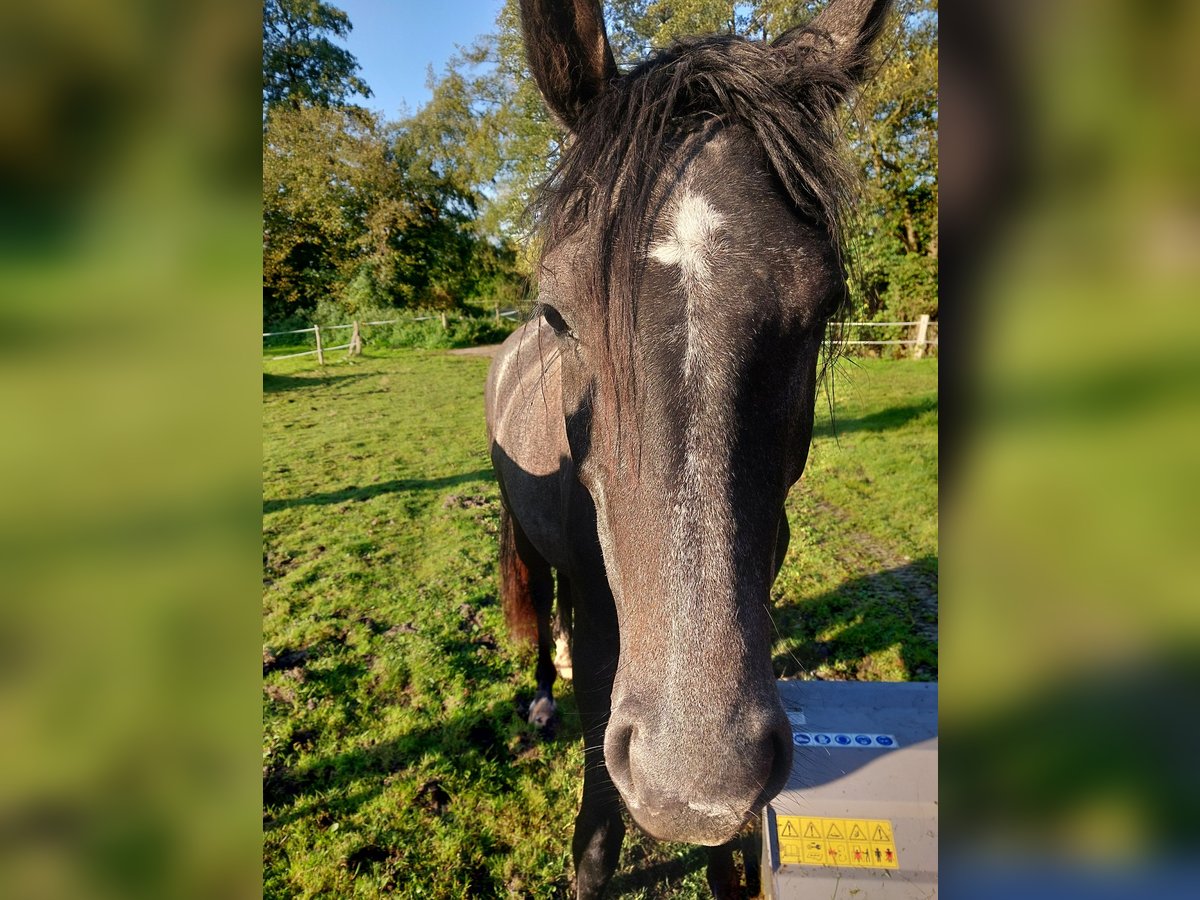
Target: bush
<point>477,331</point>
<point>464,329</point>
<point>461,331</point>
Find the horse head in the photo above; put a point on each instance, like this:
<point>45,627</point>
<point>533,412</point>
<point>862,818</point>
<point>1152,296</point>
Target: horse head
<point>691,260</point>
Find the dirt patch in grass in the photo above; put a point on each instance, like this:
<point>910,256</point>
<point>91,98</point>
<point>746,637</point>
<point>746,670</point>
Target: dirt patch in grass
<point>488,350</point>
<point>433,798</point>
<point>274,661</point>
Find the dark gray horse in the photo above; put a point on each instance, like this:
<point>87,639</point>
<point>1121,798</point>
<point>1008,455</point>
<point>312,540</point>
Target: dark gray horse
<point>647,423</point>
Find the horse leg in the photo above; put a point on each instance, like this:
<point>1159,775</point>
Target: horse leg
<point>599,830</point>
<point>541,711</point>
<point>563,617</point>
<point>722,874</point>
<point>752,858</point>
<point>724,880</point>
<point>527,595</point>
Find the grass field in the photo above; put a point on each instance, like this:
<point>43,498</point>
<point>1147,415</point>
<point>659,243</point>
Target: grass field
<point>394,757</point>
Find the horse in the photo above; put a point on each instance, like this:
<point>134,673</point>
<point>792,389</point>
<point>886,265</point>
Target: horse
<point>646,424</point>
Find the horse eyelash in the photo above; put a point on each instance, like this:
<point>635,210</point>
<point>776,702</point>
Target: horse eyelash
<point>556,321</point>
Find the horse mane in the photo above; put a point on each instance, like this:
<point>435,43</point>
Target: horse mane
<point>784,94</point>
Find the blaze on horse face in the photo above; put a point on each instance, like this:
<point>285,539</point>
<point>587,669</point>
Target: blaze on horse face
<point>689,299</point>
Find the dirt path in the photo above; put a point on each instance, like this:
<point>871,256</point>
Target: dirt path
<point>487,350</point>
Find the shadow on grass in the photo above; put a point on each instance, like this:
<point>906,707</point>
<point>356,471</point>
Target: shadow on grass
<point>884,420</point>
<point>634,875</point>
<point>488,746</point>
<point>276,383</point>
<point>867,614</point>
<point>354,493</point>
<point>493,747</point>
<point>475,753</point>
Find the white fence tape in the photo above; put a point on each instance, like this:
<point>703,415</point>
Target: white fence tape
<point>880,324</point>
<point>932,343</point>
<point>294,355</point>
<point>512,313</point>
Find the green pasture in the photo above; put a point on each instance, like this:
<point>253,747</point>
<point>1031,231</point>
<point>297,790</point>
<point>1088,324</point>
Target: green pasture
<point>395,760</point>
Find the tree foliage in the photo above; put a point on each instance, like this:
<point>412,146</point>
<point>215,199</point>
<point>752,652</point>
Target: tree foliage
<point>301,63</point>
<point>894,132</point>
<point>361,215</point>
<point>486,121</point>
<point>355,219</point>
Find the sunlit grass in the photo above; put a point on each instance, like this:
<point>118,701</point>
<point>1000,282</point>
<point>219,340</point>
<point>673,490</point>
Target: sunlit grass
<point>394,759</point>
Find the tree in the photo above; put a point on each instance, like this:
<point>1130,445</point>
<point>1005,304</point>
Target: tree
<point>314,162</point>
<point>893,129</point>
<point>355,218</point>
<point>486,126</point>
<point>301,63</point>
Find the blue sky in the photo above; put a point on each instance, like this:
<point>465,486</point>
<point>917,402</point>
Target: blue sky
<point>396,40</point>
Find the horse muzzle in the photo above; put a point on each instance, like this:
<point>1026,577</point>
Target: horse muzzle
<point>697,785</point>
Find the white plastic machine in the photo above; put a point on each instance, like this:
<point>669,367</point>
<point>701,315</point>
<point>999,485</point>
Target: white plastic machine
<point>859,815</point>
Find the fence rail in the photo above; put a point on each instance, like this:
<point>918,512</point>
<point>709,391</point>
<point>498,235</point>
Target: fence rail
<point>879,324</point>
<point>354,346</point>
<point>919,344</point>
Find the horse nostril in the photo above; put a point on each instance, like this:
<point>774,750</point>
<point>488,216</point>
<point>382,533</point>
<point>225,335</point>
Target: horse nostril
<point>617,741</point>
<point>780,744</point>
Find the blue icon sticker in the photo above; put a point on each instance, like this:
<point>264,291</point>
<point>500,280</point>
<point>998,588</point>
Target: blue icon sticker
<point>843,740</point>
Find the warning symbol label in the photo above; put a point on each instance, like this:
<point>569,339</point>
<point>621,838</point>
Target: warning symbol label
<point>838,854</point>
<point>818,841</point>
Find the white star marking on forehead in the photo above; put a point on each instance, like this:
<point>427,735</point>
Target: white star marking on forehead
<point>691,245</point>
<point>692,241</point>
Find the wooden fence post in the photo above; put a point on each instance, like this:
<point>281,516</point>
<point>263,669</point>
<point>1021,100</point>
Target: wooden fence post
<point>320,353</point>
<point>445,327</point>
<point>355,348</point>
<point>497,312</point>
<point>922,331</point>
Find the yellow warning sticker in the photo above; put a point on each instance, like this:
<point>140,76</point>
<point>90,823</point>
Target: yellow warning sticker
<point>815,841</point>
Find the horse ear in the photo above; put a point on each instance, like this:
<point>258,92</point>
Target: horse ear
<point>842,35</point>
<point>568,53</point>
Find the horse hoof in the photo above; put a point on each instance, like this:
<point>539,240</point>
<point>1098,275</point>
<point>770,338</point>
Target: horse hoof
<point>542,712</point>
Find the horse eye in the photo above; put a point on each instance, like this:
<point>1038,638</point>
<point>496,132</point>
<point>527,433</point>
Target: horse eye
<point>555,320</point>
